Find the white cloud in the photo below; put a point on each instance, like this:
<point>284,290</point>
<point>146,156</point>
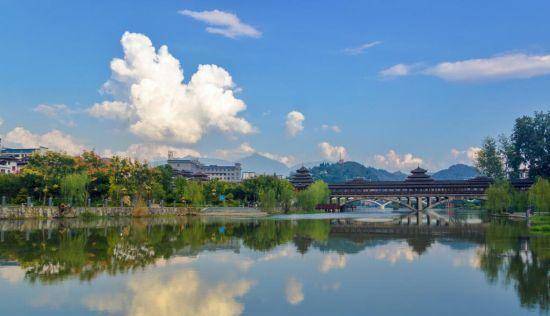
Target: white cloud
<point>246,149</point>
<point>225,23</point>
<point>397,71</point>
<point>58,112</point>
<point>360,49</point>
<point>287,160</point>
<point>242,150</point>
<point>1,121</point>
<point>53,140</point>
<point>500,67</point>
<point>332,153</point>
<point>150,94</point>
<point>332,261</point>
<point>294,292</point>
<point>509,66</point>
<point>151,152</point>
<point>182,293</point>
<point>294,123</point>
<point>115,110</point>
<point>466,156</point>
<point>334,128</point>
<point>394,161</point>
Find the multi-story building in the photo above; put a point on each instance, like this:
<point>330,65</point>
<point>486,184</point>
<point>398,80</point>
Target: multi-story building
<point>193,166</point>
<point>20,153</point>
<point>9,165</point>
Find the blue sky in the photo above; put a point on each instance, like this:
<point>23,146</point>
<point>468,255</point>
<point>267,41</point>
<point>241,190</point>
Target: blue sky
<point>281,56</point>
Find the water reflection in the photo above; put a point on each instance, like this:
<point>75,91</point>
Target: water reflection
<point>193,267</point>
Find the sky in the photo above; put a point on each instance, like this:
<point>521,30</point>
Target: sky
<point>392,84</point>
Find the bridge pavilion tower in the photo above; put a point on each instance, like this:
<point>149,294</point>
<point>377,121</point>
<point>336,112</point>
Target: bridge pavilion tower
<point>419,176</point>
<point>301,179</point>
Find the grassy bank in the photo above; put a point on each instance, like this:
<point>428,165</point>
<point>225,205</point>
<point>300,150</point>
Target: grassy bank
<point>540,225</point>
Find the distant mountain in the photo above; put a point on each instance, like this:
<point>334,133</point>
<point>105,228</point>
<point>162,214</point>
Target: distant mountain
<point>349,170</point>
<point>263,165</point>
<point>456,172</point>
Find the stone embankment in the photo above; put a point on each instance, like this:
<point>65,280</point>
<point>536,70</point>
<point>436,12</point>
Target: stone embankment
<point>28,212</point>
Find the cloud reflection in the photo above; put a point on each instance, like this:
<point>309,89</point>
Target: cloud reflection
<point>332,261</point>
<point>179,293</point>
<point>294,292</point>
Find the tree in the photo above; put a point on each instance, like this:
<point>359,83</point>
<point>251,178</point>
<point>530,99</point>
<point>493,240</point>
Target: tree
<point>531,140</point>
<point>194,193</point>
<point>539,195</point>
<point>268,199</point>
<point>489,161</point>
<point>285,195</point>
<point>511,157</point>
<point>315,194</point>
<point>498,197</point>
<point>74,188</point>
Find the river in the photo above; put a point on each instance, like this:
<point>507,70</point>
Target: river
<point>287,265</point>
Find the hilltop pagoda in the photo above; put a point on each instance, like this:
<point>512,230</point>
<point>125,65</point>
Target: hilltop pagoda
<point>301,179</point>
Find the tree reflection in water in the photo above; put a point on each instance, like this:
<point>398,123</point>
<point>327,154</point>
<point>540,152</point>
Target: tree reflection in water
<point>85,252</point>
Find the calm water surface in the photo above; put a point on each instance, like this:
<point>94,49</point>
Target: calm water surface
<point>271,266</point>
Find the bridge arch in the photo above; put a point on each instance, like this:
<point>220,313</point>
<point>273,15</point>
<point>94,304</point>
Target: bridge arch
<point>459,198</point>
<point>387,200</point>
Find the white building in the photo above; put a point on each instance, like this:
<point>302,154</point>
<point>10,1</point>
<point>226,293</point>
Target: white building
<point>9,166</point>
<point>193,166</point>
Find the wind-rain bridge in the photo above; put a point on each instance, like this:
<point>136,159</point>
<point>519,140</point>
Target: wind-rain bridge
<point>418,192</point>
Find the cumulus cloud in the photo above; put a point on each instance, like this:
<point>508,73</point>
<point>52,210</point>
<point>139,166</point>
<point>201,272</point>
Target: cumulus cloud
<point>332,261</point>
<point>183,293</point>
<point>361,48</point>
<point>53,140</point>
<point>331,152</point>
<point>294,292</point>
<point>246,149</point>
<point>115,110</point>
<point>466,156</point>
<point>396,71</point>
<point>334,128</point>
<point>294,123</point>
<point>150,95</point>
<point>242,150</point>
<point>224,23</point>
<point>149,152</point>
<point>287,160</point>
<point>394,161</point>
<point>58,112</point>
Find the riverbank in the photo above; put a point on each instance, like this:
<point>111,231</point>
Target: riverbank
<point>51,212</point>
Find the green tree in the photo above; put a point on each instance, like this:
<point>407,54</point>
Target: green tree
<point>488,160</point>
<point>539,195</point>
<point>194,193</point>
<point>268,199</point>
<point>315,194</point>
<point>531,141</point>
<point>74,188</point>
<point>499,197</point>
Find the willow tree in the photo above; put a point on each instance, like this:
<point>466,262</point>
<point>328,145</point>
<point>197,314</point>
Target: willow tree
<point>499,197</point>
<point>539,195</point>
<point>74,188</point>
